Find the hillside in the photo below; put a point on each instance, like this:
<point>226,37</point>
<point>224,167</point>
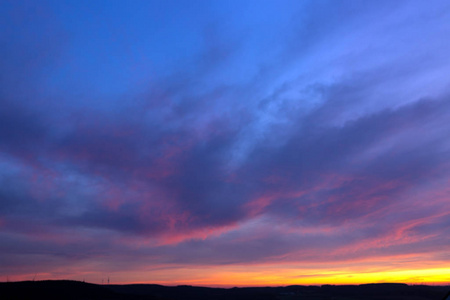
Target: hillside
<point>74,290</point>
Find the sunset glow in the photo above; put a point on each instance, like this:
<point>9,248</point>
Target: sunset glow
<point>225,143</point>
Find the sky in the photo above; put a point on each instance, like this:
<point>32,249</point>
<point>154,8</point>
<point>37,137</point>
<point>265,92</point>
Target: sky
<point>225,143</point>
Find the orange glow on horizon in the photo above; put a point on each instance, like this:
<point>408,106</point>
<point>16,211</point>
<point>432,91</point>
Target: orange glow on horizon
<point>439,276</point>
<point>260,275</point>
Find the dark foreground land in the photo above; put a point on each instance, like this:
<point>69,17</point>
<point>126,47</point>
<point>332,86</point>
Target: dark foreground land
<point>74,290</point>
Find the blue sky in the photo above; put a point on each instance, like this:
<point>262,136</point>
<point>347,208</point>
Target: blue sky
<point>196,141</point>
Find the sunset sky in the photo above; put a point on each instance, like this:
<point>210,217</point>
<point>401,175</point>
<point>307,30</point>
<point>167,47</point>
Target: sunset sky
<point>225,143</point>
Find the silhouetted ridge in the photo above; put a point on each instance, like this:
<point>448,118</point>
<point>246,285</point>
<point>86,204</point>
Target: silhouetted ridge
<point>384,291</point>
<point>60,289</point>
<point>74,290</point>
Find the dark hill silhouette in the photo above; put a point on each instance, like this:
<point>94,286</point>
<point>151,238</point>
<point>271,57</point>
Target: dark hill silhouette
<point>61,289</point>
<point>74,290</point>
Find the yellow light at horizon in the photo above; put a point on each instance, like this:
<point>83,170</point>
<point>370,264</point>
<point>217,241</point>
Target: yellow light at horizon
<point>337,273</point>
<point>232,276</point>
